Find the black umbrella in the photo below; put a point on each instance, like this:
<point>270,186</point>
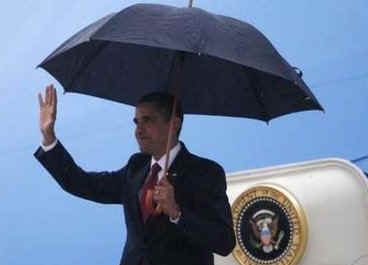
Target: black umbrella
<point>216,64</point>
<point>227,67</point>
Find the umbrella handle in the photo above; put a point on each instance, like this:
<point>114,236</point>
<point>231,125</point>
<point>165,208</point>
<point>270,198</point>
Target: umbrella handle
<point>298,71</point>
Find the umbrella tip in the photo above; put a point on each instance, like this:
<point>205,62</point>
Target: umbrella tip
<point>298,71</point>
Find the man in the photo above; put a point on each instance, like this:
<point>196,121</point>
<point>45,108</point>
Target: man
<point>194,220</point>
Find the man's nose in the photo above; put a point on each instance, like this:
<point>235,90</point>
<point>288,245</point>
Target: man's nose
<point>139,127</point>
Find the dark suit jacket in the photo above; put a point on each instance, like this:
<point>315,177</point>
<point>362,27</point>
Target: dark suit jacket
<point>205,226</point>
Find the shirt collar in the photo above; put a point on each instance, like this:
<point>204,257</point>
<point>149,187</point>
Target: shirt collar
<point>173,153</point>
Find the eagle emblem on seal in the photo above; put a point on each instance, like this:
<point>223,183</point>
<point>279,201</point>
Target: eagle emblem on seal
<point>265,228</point>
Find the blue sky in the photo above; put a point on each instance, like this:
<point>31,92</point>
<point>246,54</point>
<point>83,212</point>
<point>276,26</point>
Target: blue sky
<point>40,224</point>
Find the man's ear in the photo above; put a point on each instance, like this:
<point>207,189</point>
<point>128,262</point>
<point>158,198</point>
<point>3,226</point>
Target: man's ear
<point>177,124</point>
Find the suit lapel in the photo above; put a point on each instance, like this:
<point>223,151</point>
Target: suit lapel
<point>177,168</point>
<point>140,177</point>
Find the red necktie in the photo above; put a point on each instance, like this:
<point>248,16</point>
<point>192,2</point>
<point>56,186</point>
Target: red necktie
<point>148,187</point>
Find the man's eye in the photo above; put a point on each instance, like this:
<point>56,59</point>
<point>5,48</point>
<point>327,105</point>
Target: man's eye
<point>144,120</point>
<point>148,119</point>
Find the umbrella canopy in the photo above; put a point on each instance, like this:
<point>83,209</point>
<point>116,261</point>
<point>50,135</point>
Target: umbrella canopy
<point>227,66</point>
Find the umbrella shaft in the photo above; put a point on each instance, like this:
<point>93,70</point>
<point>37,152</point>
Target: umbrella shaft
<point>190,3</point>
<point>179,59</point>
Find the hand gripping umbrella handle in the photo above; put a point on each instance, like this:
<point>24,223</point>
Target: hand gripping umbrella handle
<point>179,61</point>
<point>156,209</point>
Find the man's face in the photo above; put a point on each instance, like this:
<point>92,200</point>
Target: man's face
<point>151,131</point>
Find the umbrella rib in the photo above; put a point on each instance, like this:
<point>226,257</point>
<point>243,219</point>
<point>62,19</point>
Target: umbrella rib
<point>265,114</point>
<point>86,64</point>
<point>169,84</point>
<point>258,95</point>
<point>172,78</point>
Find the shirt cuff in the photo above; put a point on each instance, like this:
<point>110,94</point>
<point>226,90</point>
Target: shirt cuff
<point>175,220</point>
<point>47,148</point>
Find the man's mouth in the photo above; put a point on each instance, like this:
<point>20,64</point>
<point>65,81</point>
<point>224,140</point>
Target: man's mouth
<point>143,139</point>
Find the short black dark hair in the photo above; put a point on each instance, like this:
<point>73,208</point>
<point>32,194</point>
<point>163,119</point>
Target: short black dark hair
<point>164,102</point>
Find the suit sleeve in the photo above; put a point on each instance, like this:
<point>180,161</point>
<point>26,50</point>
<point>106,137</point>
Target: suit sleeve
<point>209,223</point>
<point>102,187</point>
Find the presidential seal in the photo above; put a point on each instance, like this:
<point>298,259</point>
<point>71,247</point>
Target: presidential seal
<point>270,226</point>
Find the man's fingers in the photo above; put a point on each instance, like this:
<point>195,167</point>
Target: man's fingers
<point>40,100</point>
<point>51,95</point>
<point>48,94</point>
<point>50,98</point>
<point>55,99</point>
<point>155,196</point>
<point>164,181</point>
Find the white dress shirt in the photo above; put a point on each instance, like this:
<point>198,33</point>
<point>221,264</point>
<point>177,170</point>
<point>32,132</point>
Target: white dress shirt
<point>173,153</point>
